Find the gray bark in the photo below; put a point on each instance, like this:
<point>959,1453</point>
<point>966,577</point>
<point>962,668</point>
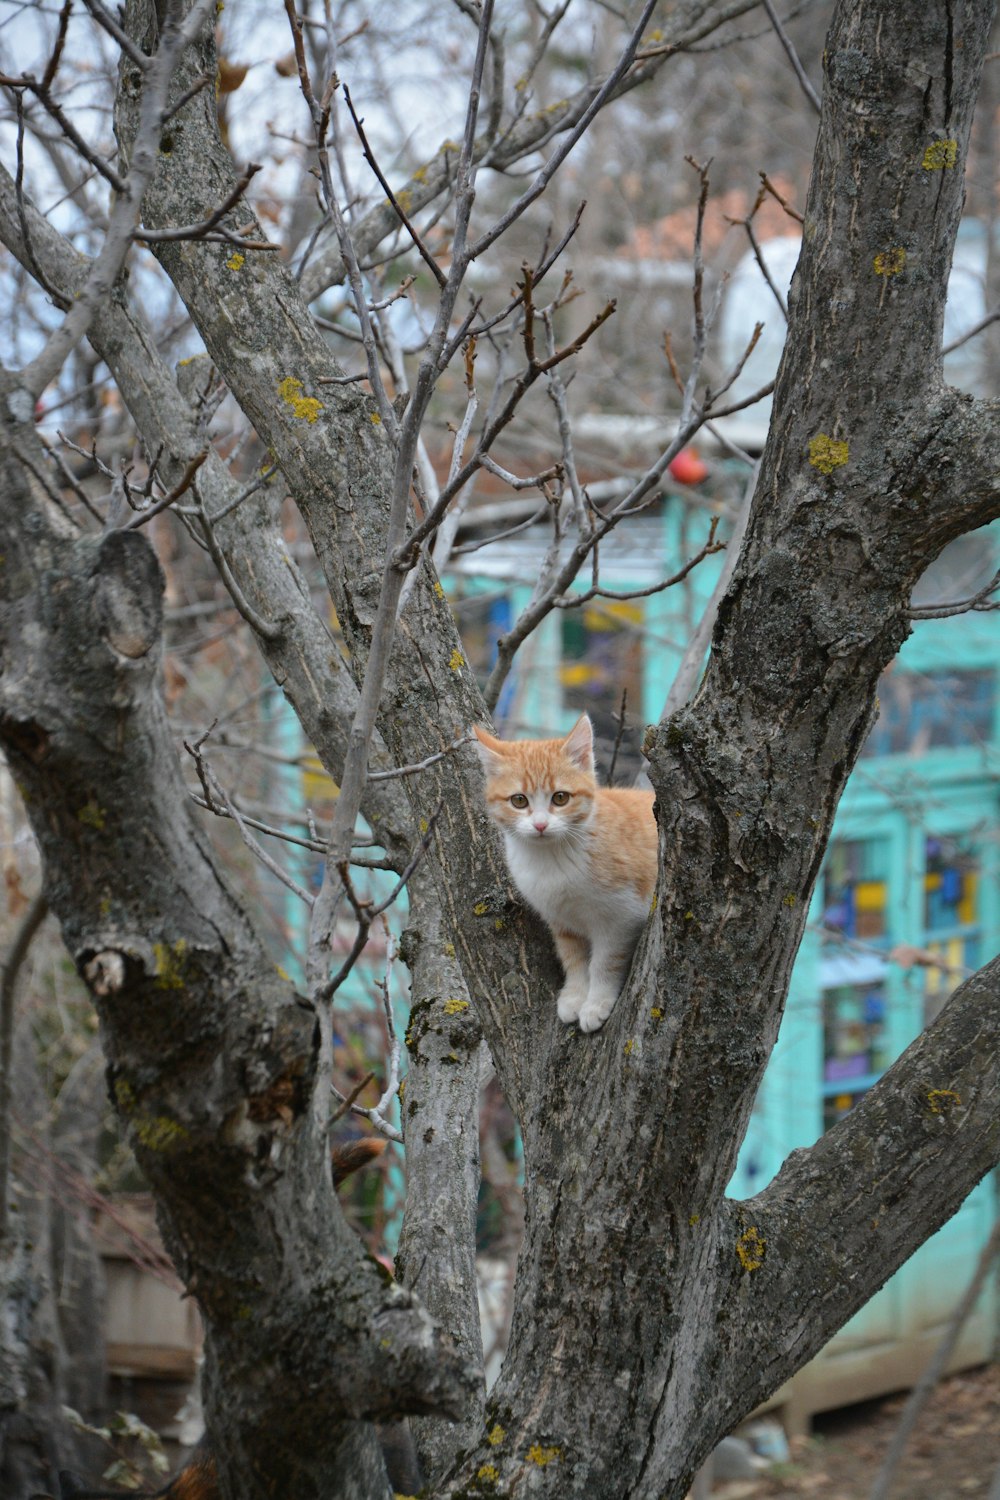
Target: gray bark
<point>205,1043</point>
<point>651,1312</point>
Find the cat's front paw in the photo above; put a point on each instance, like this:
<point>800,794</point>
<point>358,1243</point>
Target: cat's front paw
<point>596,1011</point>
<point>571,1001</point>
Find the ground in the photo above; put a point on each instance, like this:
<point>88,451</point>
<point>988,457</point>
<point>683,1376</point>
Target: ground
<point>953,1454</point>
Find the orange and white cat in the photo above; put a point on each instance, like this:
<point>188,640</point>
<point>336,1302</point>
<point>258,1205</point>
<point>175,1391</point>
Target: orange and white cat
<point>582,855</point>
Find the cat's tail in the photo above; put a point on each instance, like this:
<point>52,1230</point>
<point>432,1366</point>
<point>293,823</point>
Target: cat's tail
<point>347,1158</point>
<point>197,1480</point>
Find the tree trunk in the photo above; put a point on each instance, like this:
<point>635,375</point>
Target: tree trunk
<point>651,1313</point>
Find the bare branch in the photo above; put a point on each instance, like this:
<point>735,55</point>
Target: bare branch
<point>174,39</point>
<point>36,269</point>
<point>421,765</point>
<point>213,792</point>
<point>181,487</point>
<point>975,602</point>
<point>369,156</point>
<point>689,670</point>
<point>793,57</point>
<point>202,230</point>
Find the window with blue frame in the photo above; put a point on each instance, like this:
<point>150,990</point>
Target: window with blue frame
<point>952,919</point>
<point>482,619</point>
<point>856,940</point>
<point>602,657</point>
<point>855,1045</point>
<point>852,971</point>
<point>855,890</point>
<point>921,711</point>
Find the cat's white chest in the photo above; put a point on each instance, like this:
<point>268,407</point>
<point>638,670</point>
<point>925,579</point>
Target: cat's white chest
<point>550,878</point>
<point>557,879</point>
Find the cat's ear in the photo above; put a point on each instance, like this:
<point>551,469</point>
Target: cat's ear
<point>491,750</point>
<point>579,744</point>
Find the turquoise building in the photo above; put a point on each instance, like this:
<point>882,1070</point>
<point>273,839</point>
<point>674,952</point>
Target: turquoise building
<point>908,901</point>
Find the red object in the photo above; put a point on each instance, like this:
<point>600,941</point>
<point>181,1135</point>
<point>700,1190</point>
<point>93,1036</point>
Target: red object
<point>687,467</point>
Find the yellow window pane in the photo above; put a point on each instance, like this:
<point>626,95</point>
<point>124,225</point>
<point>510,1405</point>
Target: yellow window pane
<point>316,784</point>
<point>967,911</point>
<point>575,673</point>
<point>870,895</point>
<point>608,613</point>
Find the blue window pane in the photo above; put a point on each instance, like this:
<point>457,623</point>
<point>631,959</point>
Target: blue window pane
<point>920,711</point>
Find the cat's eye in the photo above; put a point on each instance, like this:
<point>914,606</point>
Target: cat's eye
<point>519,800</point>
<point>559,799</point>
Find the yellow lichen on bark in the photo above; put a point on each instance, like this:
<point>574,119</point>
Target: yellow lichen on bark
<point>750,1250</point>
<point>939,155</point>
<point>536,1454</point>
<point>307,408</point>
<point>890,262</point>
<point>827,453</point>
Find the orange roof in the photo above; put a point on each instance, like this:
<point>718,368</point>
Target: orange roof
<point>672,237</point>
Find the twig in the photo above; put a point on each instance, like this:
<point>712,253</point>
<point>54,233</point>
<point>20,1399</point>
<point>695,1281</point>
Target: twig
<point>355,774</point>
<point>52,67</point>
<point>975,602</point>
<point>200,83</point>
<point>211,783</point>
<point>316,846</point>
<point>737,370</point>
<point>377,1114</point>
<point>268,630</point>
<point>793,57</point>
<point>319,111</point>
<point>711,546</point>
<point>183,484</point>
<point>104,18</point>
<point>758,254</point>
<point>244,494</point>
<point>557,395</point>
<point>71,480</point>
<point>366,913</point>
<point>689,670</point>
<point>620,718</point>
<point>201,230</point>
<point>69,130</point>
<point>369,156</point>
<point>106,266</point>
<point>36,270</point>
<point>500,536</point>
<point>528,482</point>
<point>792,213</point>
<point>971,334</point>
<point>555,161</point>
<point>347,1100</point>
<point>407,553</point>
<point>62,1181</point>
<point>538,273</point>
<point>421,765</point>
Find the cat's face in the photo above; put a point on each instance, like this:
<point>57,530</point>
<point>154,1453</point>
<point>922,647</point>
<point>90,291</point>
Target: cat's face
<point>541,791</point>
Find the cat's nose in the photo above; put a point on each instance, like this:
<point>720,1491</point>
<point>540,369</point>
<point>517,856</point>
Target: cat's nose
<point>541,823</point>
